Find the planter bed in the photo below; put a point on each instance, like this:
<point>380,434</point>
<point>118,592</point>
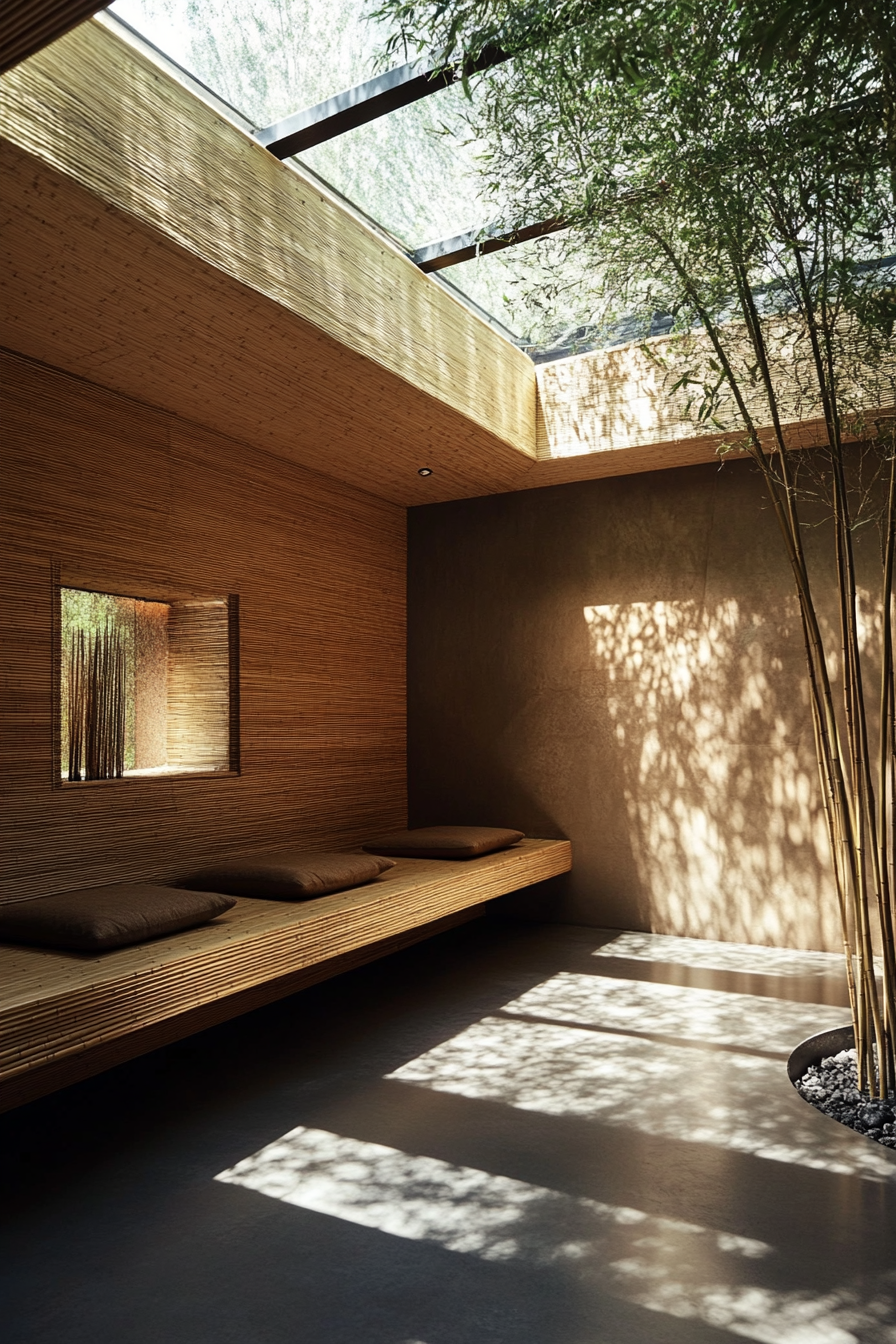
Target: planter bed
<point>823,1071</point>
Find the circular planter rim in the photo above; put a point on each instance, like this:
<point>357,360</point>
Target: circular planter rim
<point>815,1048</point>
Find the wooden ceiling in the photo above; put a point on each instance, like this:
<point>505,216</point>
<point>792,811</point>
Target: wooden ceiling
<point>93,291</point>
<point>155,249</point>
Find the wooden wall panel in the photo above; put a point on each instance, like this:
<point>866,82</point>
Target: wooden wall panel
<point>130,499</point>
<point>31,24</point>
<point>605,401</point>
<point>198,709</point>
<point>126,301</point>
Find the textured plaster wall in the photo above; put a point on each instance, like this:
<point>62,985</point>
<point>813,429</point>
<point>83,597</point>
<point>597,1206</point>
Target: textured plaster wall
<point>620,662</point>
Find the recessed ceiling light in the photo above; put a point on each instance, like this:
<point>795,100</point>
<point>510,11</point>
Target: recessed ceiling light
<point>424,471</point>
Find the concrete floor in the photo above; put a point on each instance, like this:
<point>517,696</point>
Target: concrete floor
<point>508,1135</point>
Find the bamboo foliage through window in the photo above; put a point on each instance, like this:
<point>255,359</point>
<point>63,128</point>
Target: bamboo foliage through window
<point>97,704</point>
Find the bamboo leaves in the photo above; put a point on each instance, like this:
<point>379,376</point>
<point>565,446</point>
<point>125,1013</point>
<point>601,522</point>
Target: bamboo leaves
<point>750,198</point>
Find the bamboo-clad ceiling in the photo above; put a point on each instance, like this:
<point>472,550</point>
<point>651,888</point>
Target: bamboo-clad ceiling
<point>202,276</point>
<point>27,26</point>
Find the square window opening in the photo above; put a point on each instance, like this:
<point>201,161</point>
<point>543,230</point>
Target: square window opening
<point>146,687</point>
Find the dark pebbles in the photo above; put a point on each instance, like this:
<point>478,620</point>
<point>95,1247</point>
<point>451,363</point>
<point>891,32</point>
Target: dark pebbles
<point>831,1086</point>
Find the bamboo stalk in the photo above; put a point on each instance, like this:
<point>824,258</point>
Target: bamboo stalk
<point>879,1071</point>
<point>855,811</point>
<point>96,704</point>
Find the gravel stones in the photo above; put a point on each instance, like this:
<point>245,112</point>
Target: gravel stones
<point>831,1086</point>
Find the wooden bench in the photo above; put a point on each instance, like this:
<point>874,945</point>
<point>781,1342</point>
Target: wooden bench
<point>65,1016</point>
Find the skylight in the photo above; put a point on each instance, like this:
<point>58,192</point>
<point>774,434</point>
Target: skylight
<point>412,171</point>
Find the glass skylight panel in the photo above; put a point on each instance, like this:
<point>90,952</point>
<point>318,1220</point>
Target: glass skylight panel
<point>500,283</point>
<point>267,59</point>
<point>410,170</point>
<point>413,171</point>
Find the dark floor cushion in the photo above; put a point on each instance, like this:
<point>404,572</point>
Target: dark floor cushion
<point>289,874</point>
<point>99,918</point>
<point>445,842</point>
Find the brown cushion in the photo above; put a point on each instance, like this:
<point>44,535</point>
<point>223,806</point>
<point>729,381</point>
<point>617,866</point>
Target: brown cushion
<point>445,842</point>
<point>289,874</point>
<point>98,918</point>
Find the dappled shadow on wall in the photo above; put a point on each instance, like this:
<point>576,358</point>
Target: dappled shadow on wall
<point>607,400</point>
<point>716,766</point>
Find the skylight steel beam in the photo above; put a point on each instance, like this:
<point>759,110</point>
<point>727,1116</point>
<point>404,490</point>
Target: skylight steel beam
<point>365,102</point>
<point>478,242</point>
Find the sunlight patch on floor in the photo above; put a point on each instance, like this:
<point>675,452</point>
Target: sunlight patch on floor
<point>660,1009</point>
<point>674,1268</point>
<point>705,954</point>
<point>678,1064</point>
<point>729,1100</point>
<point>461,1208</point>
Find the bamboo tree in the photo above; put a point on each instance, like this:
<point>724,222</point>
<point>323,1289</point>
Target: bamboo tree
<point>751,199</point>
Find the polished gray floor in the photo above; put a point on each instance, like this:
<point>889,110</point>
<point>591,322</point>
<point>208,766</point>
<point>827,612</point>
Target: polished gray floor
<point>512,1134</point>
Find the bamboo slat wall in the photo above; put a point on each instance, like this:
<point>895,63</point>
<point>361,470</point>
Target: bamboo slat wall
<point>99,111</point>
<point>62,1009</point>
<point>198,685</point>
<point>151,684</point>
<point>606,413</point>
<point>134,501</point>
<point>605,401</point>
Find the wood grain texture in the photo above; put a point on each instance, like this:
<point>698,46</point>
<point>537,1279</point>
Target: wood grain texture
<point>128,499</point>
<point>28,25</point>
<point>198,709</point>
<point>629,459</point>
<point>603,402</point>
<point>58,1005</point>
<point>97,110</point>
<point>125,306</point>
<point>45,1078</point>
<point>131,310</point>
